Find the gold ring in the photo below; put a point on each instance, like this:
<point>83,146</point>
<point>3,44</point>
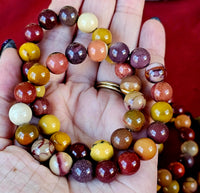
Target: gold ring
<point>109,85</point>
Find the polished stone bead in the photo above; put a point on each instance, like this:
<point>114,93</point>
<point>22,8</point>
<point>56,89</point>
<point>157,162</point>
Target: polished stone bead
<point>102,34</point>
<point>190,147</point>
<point>123,70</point>
<point>38,74</point>
<point>162,91</point>
<point>139,58</point>
<point>187,160</point>
<point>160,147</point>
<point>190,185</point>
<point>27,133</point>
<point>161,111</point>
<point>118,52</point>
<point>40,91</point>
<point>187,133</point>
<point>25,67</point>
<point>129,163</point>
<point>155,72</point>
<point>60,163</point>
<point>68,15</point>
<point>82,170</point>
<point>177,169</point>
<point>33,33</point>
<point>173,187</point>
<point>130,84</point>
<point>182,121</point>
<point>57,63</point>
<point>49,124</point>
<point>42,149</point>
<point>47,19</point>
<point>60,140</point>
<point>76,53</point>
<point>134,120</point>
<point>25,92</point>
<point>40,107</point>
<point>20,113</point>
<point>158,131</point>
<point>106,171</point>
<point>164,177</point>
<point>121,138</point>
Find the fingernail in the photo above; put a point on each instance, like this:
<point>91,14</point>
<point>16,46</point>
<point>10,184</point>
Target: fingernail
<point>9,43</point>
<point>156,18</point>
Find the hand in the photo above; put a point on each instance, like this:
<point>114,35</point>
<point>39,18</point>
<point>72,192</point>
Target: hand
<point>86,114</point>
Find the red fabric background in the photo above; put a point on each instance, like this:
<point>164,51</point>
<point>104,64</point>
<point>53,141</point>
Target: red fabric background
<point>181,19</point>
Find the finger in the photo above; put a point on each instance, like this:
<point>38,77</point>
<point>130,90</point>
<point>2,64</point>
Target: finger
<point>87,71</point>
<point>125,28</point>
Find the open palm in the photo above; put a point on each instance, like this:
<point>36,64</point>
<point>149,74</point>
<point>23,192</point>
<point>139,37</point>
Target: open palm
<point>86,114</point>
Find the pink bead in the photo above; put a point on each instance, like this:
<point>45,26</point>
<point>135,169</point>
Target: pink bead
<point>123,70</point>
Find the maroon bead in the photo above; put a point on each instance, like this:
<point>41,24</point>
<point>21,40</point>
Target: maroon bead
<point>82,170</point>
<point>76,53</point>
<point>68,16</point>
<point>106,171</point>
<point>33,33</point>
<point>187,133</point>
<point>129,163</point>
<point>139,58</point>
<point>123,70</point>
<point>47,19</point>
<point>25,92</point>
<point>187,160</point>
<point>177,169</point>
<point>40,107</point>
<point>158,131</point>
<point>79,151</point>
<point>118,52</point>
<point>25,67</point>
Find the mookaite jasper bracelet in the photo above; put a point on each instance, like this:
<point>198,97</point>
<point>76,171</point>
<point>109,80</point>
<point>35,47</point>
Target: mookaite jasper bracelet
<point>54,146</point>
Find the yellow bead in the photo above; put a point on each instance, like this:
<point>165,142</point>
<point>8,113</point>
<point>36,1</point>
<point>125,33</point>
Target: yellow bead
<point>101,150</point>
<point>49,124</point>
<point>87,22</point>
<point>172,188</point>
<point>102,34</point>
<point>158,187</point>
<point>182,121</point>
<point>160,147</point>
<point>40,91</point>
<point>29,51</point>
<point>161,111</point>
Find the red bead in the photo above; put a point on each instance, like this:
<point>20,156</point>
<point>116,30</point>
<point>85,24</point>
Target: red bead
<point>79,151</point>
<point>25,92</point>
<point>57,63</point>
<point>40,107</point>
<point>25,67</point>
<point>106,171</point>
<point>129,163</point>
<point>123,70</point>
<point>187,133</point>
<point>177,169</point>
<point>33,33</point>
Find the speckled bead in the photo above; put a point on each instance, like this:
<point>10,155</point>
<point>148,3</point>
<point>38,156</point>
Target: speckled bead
<point>82,171</point>
<point>164,177</point>
<point>190,185</point>
<point>155,72</point>
<point>40,107</point>
<point>123,70</point>
<point>40,90</point>
<point>102,34</point>
<point>177,169</point>
<point>182,121</point>
<point>60,163</point>
<point>173,187</point>
<point>42,149</point>
<point>101,150</point>
<point>190,147</point>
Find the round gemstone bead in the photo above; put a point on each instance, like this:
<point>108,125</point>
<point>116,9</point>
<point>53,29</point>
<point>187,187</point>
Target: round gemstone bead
<point>97,50</point>
<point>187,133</point>
<point>118,52</point>
<point>160,147</point>
<point>40,91</point>
<point>190,185</point>
<point>20,113</point>
<point>155,72</point>
<point>182,121</point>
<point>40,107</point>
<point>25,67</point>
<point>87,22</point>
<point>129,163</point>
<point>76,53</point>
<point>134,100</point>
<point>130,84</point>
<point>57,63</point>
<point>60,163</point>
<point>79,151</point>
<point>134,120</point>
<point>29,51</point>
<point>47,19</point>
<point>42,149</point>
<point>27,133</point>
<point>33,33</point>
<point>187,160</point>
<point>164,177</point>
<point>68,15</point>
<point>121,139</point>
<point>190,147</point>
<point>102,34</point>
<point>145,148</point>
<point>60,140</point>
<point>139,58</point>
<point>38,74</point>
<point>158,131</point>
<point>161,111</point>
<point>106,171</point>
<point>123,70</point>
<point>25,92</point>
<point>82,170</point>
<point>173,187</point>
<point>101,150</point>
<point>177,169</point>
<point>162,91</point>
<point>49,124</point>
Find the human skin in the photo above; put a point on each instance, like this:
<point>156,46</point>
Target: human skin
<point>86,114</point>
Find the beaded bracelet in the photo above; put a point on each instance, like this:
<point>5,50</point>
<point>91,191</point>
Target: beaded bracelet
<point>77,159</point>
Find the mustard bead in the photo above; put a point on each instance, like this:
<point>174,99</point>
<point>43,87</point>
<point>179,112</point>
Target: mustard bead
<point>29,51</point>
<point>102,34</point>
<point>172,188</point>
<point>40,91</point>
<point>101,150</point>
<point>49,124</point>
